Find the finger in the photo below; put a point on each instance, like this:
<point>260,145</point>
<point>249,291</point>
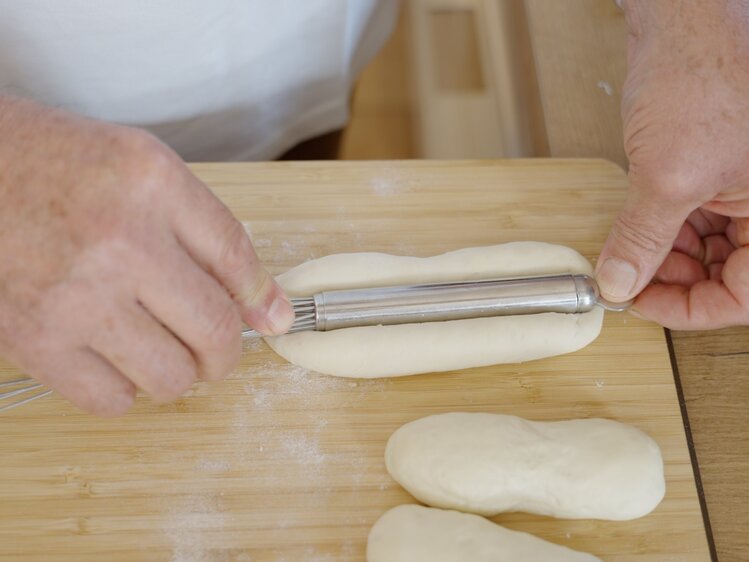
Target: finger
<point>706,305</point>
<point>717,249</point>
<point>680,269</point>
<point>146,353</point>
<point>688,242</point>
<point>195,308</point>
<point>89,382</point>
<point>220,244</point>
<point>738,208</point>
<point>640,239</point>
<point>737,232</point>
<point>706,249</point>
<point>706,223</point>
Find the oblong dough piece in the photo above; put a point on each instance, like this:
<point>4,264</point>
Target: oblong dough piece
<point>492,463</point>
<point>388,351</point>
<point>413,533</point>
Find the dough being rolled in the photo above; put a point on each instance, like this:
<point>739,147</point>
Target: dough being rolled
<point>413,533</point>
<point>407,349</point>
<point>491,463</point>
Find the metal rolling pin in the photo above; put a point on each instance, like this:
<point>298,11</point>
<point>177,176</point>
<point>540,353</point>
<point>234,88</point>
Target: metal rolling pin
<point>439,302</point>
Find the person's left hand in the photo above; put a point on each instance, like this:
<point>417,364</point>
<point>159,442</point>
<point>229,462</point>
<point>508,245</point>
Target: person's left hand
<point>679,244</point>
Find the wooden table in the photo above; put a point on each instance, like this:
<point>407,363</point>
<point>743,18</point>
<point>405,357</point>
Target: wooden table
<point>579,51</point>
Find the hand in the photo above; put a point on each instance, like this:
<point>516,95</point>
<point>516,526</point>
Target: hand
<point>119,268</point>
<point>686,126</point>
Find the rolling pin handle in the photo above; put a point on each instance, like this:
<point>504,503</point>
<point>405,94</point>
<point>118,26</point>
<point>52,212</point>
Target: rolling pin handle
<point>587,292</point>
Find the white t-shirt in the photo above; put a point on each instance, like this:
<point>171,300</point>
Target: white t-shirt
<point>215,79</point>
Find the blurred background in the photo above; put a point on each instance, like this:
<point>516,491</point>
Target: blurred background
<point>491,79</point>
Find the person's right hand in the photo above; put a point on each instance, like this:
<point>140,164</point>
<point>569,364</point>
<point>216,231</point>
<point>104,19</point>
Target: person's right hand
<point>119,269</point>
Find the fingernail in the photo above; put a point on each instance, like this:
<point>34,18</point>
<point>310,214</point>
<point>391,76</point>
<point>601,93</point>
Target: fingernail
<point>616,278</point>
<point>280,315</point>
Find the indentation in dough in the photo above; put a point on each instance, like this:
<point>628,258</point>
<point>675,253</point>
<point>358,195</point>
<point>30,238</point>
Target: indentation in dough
<point>386,351</point>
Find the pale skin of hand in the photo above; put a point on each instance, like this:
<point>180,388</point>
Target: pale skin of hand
<point>119,269</point>
<point>681,242</point>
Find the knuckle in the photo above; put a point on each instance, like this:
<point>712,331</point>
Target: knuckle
<point>217,370</point>
<point>259,290</point>
<point>175,382</point>
<point>236,254</point>
<point>144,161</point>
<point>639,233</point>
<point>137,142</point>
<point>119,405</point>
<point>109,406</point>
<point>177,374</point>
<point>221,347</point>
<point>224,330</point>
<point>669,182</point>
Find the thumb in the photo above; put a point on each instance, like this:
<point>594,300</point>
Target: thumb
<point>640,239</point>
<point>219,243</point>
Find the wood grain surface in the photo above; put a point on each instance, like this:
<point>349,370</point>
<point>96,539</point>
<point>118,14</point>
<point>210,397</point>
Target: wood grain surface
<point>279,464</point>
<point>577,44</point>
<point>578,47</point>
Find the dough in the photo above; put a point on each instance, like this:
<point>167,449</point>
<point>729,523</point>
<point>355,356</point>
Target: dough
<point>491,463</point>
<point>407,349</point>
<point>413,533</point>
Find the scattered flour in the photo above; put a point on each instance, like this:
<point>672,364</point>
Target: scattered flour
<point>189,521</point>
<point>262,243</point>
<point>406,249</point>
<point>606,87</point>
<point>251,344</point>
<point>302,449</point>
<point>267,447</point>
<point>390,182</point>
<point>311,554</point>
<point>384,186</point>
<point>274,388</point>
<point>292,248</point>
<point>261,398</point>
<point>270,378</point>
<point>212,465</point>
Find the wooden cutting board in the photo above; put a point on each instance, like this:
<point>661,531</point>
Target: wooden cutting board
<point>279,464</point>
